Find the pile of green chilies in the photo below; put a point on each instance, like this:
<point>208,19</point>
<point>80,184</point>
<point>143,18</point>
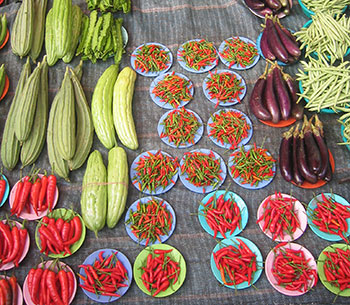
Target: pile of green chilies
<point>151,58</point>
<point>334,7</point>
<point>345,121</point>
<point>325,86</point>
<point>180,127</point>
<point>328,36</point>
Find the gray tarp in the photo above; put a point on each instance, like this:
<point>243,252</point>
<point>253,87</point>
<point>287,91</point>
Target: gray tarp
<point>172,23</point>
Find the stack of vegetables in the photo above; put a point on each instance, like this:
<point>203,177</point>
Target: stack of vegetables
<point>109,5</point>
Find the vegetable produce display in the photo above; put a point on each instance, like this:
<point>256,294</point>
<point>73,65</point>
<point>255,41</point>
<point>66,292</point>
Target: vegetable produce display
<point>345,122</point>
<point>332,6</point>
<point>274,97</point>
<point>3,30</point>
<point>275,7</point>
<point>150,221</point>
<point>101,37</point>
<point>277,42</point>
<point>105,276</point>
<point>13,239</point>
<point>304,155</point>
<point>180,127</point>
<point>109,5</point>
<point>9,289</point>
<point>325,37</point>
<point>51,282</point>
<point>160,271</point>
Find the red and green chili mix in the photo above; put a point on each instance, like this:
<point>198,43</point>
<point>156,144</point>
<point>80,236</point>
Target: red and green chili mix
<point>173,89</point>
<point>279,216</point>
<point>151,58</point>
<point>155,170</point>
<point>225,87</point>
<point>229,127</point>
<point>202,169</point>
<point>238,52</point>
<point>198,54</point>
<point>236,264</point>
<point>330,216</point>
<point>150,221</point>
<point>222,215</point>
<point>180,127</point>
<point>252,166</point>
<point>160,271</point>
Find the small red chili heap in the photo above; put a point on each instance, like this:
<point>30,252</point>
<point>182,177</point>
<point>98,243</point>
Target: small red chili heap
<point>202,169</point>
<point>252,166</point>
<point>236,264</point>
<point>222,215</point>
<point>198,54</point>
<point>180,127</point>
<point>155,170</point>
<point>224,87</point>
<point>45,284</point>
<point>229,127</point>
<point>57,236</point>
<point>151,58</point>
<point>173,89</point>
<point>160,271</point>
<point>336,268</point>
<point>292,270</point>
<point>12,241</point>
<point>238,52</point>
<point>105,276</point>
<point>279,216</point>
<point>150,221</point>
<point>330,216</point>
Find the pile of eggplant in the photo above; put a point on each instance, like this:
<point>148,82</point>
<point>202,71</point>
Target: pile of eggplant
<point>275,7</point>
<point>277,42</point>
<point>274,96</point>
<point>304,155</point>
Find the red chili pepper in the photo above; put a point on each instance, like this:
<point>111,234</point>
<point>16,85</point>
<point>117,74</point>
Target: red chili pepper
<point>14,289</point>
<point>42,194</point>
<point>36,284</point>
<point>14,249</point>
<point>2,187</point>
<point>18,193</point>
<point>24,196</point>
<point>63,280</point>
<point>7,292</point>
<point>76,222</point>
<point>34,195</point>
<point>51,190</point>
<point>52,287</point>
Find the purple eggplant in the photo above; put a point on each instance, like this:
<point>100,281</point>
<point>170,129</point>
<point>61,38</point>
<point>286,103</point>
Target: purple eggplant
<point>273,4</point>
<point>303,166</point>
<point>289,44</point>
<point>317,131</point>
<point>264,46</point>
<point>256,101</point>
<point>285,155</point>
<point>313,153</point>
<point>255,5</point>
<point>281,91</point>
<point>297,177</point>
<point>274,41</point>
<point>297,111</point>
<point>270,98</point>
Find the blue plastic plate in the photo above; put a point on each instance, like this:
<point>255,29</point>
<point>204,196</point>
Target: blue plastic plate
<point>201,70</point>
<point>133,208</point>
<point>150,73</point>
<point>261,184</point>
<point>7,191</point>
<point>224,103</point>
<point>343,136</point>
<point>158,100</point>
<point>122,290</point>
<point>312,206</point>
<point>203,189</point>
<point>234,242</point>
<point>242,207</point>
<point>197,136</point>
<point>227,145</point>
<point>237,66</point>
<point>158,190</point>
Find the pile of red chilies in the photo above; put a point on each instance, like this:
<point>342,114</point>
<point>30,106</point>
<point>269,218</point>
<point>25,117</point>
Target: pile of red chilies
<point>105,276</point>
<point>34,194</point>
<point>336,268</point>
<point>58,235</point>
<point>236,264</point>
<point>151,58</point>
<point>12,241</point>
<point>291,269</point>
<point>47,286</point>
<point>160,272</point>
<point>330,216</point>
<point>8,290</point>
<point>222,215</point>
<point>279,216</point>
